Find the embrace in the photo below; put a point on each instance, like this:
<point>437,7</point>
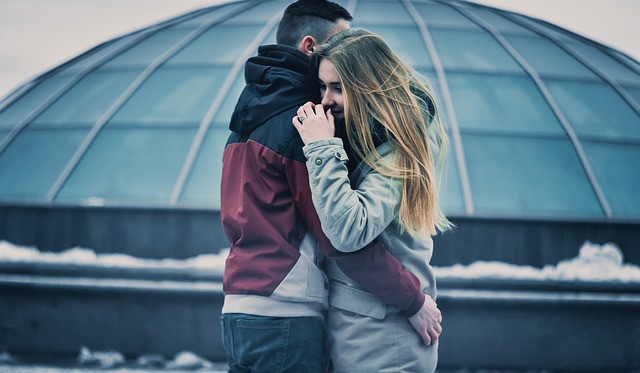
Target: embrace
<point>329,200</point>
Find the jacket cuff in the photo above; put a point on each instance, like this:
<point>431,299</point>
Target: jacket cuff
<point>314,146</point>
<point>415,305</point>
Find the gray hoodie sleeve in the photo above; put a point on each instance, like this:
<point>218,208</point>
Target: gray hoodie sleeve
<point>350,218</point>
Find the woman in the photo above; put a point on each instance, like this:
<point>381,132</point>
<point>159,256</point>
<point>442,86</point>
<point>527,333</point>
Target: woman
<point>397,143</point>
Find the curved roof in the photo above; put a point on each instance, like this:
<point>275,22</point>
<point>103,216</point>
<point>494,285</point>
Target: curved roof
<point>544,123</point>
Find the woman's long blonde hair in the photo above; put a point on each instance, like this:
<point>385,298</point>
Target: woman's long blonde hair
<point>383,94</point>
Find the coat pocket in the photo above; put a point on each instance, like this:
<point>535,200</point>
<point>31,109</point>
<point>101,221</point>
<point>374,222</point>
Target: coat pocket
<point>351,299</point>
<point>304,283</point>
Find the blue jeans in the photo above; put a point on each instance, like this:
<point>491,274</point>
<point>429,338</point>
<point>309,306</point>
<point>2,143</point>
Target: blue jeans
<point>261,344</point>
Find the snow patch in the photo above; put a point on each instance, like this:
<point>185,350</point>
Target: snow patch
<point>110,359</point>
<point>103,359</point>
<point>83,256</point>
<point>594,262</point>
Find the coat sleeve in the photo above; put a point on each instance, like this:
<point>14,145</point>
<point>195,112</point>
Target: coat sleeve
<point>373,266</point>
<point>351,218</point>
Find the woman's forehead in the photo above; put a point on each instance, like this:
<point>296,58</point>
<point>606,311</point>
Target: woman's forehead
<point>327,72</point>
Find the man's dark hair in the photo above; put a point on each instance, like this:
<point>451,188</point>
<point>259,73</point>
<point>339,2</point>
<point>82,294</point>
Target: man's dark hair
<point>309,17</point>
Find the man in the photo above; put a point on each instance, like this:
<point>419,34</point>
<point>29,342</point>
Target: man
<point>275,294</point>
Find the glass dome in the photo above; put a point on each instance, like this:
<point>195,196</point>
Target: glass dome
<point>544,123</point>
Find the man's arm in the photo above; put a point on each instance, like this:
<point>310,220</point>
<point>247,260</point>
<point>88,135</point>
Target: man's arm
<point>384,276</point>
<point>373,267</point>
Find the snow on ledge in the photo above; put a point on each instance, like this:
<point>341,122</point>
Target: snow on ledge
<point>82,256</point>
<point>594,263</point>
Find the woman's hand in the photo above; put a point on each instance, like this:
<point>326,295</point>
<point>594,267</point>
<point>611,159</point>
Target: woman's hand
<point>313,124</point>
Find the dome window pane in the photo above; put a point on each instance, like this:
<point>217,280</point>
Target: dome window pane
<point>528,177</point>
<point>172,96</point>
<point>30,165</point>
<point>219,45</point>
<point>87,100</point>
<point>501,103</point>
<point>223,116</point>
<point>616,168</point>
<point>472,51</point>
<point>271,38</point>
<point>259,13</point>
<point>613,68</point>
<point>384,12</point>
<point>595,109</point>
<point>547,58</point>
<point>25,105</point>
<point>549,30</point>
<point>635,93</point>
<point>203,185</point>
<point>97,55</point>
<point>149,49</point>
<point>444,17</point>
<point>450,188</point>
<point>406,42</point>
<point>129,165</point>
<point>217,13</point>
<point>632,63</point>
<point>432,80</point>
<point>500,23</point>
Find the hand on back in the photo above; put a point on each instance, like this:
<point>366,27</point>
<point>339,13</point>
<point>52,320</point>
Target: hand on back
<point>427,321</point>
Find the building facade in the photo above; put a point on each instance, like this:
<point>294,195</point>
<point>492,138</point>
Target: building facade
<point>119,149</point>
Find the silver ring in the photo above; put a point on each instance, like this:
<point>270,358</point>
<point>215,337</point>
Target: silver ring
<point>301,118</point>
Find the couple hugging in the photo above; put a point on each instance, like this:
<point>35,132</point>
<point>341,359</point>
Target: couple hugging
<point>329,200</point>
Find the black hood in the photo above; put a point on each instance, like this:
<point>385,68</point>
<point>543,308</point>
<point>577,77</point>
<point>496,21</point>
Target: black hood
<point>277,79</point>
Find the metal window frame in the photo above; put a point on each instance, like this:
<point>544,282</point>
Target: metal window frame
<point>573,137</point>
<point>133,87</point>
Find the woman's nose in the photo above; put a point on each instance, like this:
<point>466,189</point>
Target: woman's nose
<point>326,100</point>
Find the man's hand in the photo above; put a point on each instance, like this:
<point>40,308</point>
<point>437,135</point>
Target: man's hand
<point>427,321</point>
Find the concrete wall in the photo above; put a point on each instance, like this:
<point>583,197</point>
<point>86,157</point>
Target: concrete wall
<point>488,324</point>
<point>518,326</point>
<point>181,233</point>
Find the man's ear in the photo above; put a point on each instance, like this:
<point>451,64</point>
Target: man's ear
<point>307,45</point>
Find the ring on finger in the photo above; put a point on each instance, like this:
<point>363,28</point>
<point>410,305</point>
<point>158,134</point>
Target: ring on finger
<point>301,118</point>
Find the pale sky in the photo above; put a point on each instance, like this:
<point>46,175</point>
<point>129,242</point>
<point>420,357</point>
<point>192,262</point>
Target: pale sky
<point>37,35</point>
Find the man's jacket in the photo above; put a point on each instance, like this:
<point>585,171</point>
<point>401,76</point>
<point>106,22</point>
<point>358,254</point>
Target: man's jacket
<point>267,210</point>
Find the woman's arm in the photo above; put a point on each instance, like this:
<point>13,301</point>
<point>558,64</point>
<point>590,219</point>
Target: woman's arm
<point>350,218</point>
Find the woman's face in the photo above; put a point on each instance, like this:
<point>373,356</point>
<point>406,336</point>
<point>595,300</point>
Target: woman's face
<point>331,89</point>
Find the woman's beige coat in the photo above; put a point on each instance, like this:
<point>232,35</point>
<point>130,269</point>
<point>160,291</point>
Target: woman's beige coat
<point>365,334</point>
